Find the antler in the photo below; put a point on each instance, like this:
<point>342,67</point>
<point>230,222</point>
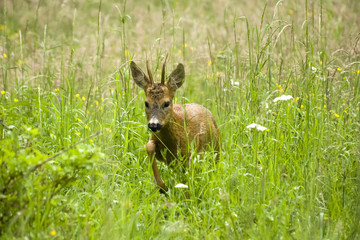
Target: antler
<point>163,71</point>
<point>149,72</point>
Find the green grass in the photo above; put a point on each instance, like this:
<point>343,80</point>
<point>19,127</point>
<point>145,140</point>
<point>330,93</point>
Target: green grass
<point>73,127</point>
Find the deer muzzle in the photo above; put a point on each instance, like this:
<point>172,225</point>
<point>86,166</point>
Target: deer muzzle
<point>154,125</point>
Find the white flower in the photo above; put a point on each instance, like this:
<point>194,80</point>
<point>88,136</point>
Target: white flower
<point>256,126</point>
<point>180,185</point>
<point>235,83</point>
<point>283,98</point>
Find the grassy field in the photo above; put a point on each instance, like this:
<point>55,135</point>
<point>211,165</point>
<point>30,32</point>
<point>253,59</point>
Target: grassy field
<point>73,127</point>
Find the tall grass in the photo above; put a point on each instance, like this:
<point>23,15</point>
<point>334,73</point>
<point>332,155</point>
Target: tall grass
<point>73,128</point>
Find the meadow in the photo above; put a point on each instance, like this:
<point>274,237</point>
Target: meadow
<point>73,127</point>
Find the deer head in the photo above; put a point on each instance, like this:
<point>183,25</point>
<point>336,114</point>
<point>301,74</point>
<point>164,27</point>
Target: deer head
<point>159,95</point>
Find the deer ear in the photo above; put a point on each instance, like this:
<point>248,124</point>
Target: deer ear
<point>139,76</point>
<point>176,77</point>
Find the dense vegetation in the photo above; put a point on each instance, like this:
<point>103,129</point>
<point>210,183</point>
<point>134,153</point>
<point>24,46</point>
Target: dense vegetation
<point>73,130</point>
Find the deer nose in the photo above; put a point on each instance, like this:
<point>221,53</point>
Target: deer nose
<point>155,127</point>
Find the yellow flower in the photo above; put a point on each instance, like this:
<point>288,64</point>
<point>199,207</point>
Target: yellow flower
<point>83,98</point>
<point>267,130</point>
<point>179,51</point>
<point>85,126</point>
<point>291,11</point>
<point>357,109</point>
<point>91,141</point>
<point>358,71</point>
<point>297,98</point>
<point>108,130</point>
<point>100,107</point>
<point>336,115</point>
<point>77,95</point>
<point>78,133</point>
<point>315,10</point>
<point>191,48</point>
<point>209,62</point>
<point>2,92</point>
<point>5,56</point>
<point>185,230</point>
<point>52,135</point>
<point>53,233</point>
<point>97,103</point>
<point>185,45</point>
<point>57,90</point>
<point>320,62</point>
<point>102,99</point>
<point>2,27</point>
<point>339,69</point>
<point>16,100</point>
<point>324,106</point>
<point>326,218</point>
<point>79,120</point>
<point>19,62</point>
<point>319,108</point>
<point>302,106</point>
<point>127,52</point>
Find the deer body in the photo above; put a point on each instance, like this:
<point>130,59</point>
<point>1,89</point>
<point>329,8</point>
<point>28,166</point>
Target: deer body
<point>174,127</point>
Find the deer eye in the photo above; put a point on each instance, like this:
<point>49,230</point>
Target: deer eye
<point>146,104</point>
<point>166,104</point>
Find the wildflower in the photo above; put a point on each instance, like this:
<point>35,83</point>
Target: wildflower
<point>52,135</point>
<point>97,103</point>
<point>256,126</point>
<point>78,133</point>
<point>57,90</point>
<point>191,48</point>
<point>283,98</point>
<point>267,130</point>
<point>91,141</point>
<point>108,130</point>
<point>83,98</point>
<point>2,92</point>
<point>180,185</point>
<point>102,99</point>
<point>358,72</point>
<point>185,45</point>
<point>77,95</point>
<point>100,108</point>
<point>2,27</point>
<point>326,218</point>
<point>319,108</point>
<point>339,69</point>
<point>297,98</point>
<point>5,56</point>
<point>315,10</point>
<point>324,106</point>
<point>302,106</point>
<point>357,109</point>
<point>53,233</point>
<point>179,51</point>
<point>185,230</point>
<point>16,100</point>
<point>291,11</point>
<point>235,83</point>
<point>127,53</point>
<point>85,126</point>
<point>209,62</point>
<point>79,120</point>
<point>336,115</point>
<point>19,62</point>
<point>321,62</point>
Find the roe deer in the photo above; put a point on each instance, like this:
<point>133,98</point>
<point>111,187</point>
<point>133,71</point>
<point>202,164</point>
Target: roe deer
<point>173,126</point>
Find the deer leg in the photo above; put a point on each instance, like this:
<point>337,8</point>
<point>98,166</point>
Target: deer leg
<point>150,148</point>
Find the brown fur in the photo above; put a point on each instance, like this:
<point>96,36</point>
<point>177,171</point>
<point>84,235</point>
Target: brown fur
<point>181,125</point>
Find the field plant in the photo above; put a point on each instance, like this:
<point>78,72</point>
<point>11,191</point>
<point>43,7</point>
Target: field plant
<point>282,79</point>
